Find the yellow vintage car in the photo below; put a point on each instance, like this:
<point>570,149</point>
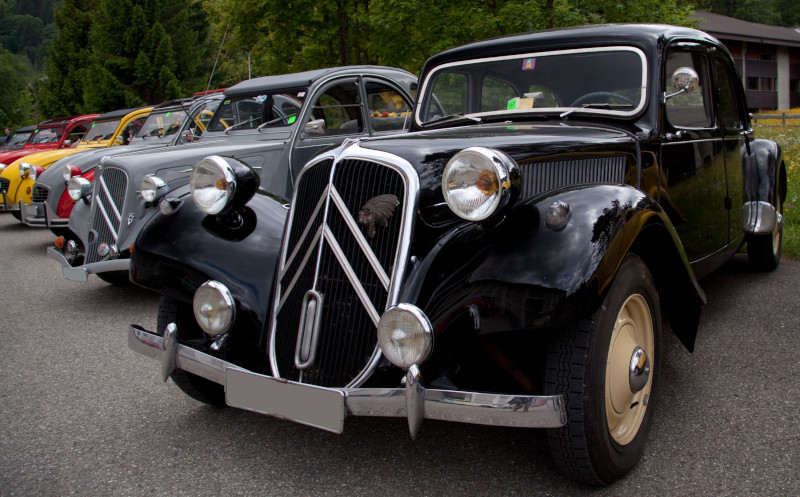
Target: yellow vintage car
<point>110,129</point>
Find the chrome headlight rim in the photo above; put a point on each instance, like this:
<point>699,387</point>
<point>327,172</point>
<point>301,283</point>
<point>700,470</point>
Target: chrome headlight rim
<point>78,188</point>
<point>69,171</point>
<point>2,167</point>
<point>480,170</point>
<point>35,172</point>
<point>24,170</point>
<point>152,188</point>
<point>225,173</point>
<point>389,334</point>
<point>211,299</point>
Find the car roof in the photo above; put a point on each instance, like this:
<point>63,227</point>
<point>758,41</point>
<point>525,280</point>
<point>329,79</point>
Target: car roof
<point>25,129</point>
<point>64,120</point>
<point>116,114</point>
<point>565,38</point>
<point>306,78</point>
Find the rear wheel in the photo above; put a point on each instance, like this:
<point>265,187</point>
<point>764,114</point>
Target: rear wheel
<point>173,311</point>
<point>606,367</point>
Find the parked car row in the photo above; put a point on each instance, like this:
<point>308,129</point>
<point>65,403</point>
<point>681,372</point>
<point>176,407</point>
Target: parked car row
<point>498,242</point>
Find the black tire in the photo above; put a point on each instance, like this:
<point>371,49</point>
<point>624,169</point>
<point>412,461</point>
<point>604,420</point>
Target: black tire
<point>764,251</point>
<point>65,232</point>
<point>196,387</point>
<point>116,278</point>
<point>17,215</point>
<point>587,448</point>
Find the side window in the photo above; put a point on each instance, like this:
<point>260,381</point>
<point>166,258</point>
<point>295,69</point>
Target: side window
<point>689,110</point>
<point>495,94</point>
<point>729,109</point>
<point>388,110</point>
<point>449,96</point>
<point>336,112</point>
<point>130,130</point>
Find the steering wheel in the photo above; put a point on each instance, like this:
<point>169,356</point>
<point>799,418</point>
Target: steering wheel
<point>587,98</point>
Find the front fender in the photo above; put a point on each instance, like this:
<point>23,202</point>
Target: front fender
<point>522,275</point>
<point>175,254</point>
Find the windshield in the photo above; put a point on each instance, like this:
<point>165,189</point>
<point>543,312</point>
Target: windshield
<point>163,123</point>
<point>18,140</point>
<point>609,80</point>
<point>253,111</point>
<point>46,135</point>
<point>101,130</point>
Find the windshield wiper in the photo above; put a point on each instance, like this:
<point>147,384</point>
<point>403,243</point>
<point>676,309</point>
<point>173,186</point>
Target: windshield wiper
<point>594,105</point>
<point>253,119</point>
<point>457,115</point>
<point>274,121</point>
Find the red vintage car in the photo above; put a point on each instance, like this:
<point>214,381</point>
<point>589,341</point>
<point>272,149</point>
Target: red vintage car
<point>60,132</point>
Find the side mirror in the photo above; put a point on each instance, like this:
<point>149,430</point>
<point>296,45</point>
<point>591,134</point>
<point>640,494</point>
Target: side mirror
<point>67,143</point>
<point>315,127</point>
<point>120,140</point>
<point>684,80</point>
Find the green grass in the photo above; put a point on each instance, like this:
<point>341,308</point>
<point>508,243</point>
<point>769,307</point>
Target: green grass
<point>789,139</point>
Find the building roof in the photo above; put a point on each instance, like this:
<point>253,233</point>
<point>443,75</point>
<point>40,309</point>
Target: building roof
<point>728,28</point>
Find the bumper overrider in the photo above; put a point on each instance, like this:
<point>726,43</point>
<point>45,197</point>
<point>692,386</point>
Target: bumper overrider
<point>81,273</point>
<point>40,214</point>
<point>7,205</point>
<point>327,408</point>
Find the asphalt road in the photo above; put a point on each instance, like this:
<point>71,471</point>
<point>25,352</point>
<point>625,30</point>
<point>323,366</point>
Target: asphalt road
<point>80,414</point>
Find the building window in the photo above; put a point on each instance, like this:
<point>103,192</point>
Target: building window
<point>766,56</point>
<point>760,84</point>
<point>794,85</point>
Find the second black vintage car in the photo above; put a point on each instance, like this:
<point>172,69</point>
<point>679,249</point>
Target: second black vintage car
<point>508,263</point>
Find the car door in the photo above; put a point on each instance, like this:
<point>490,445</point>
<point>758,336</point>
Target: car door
<point>692,157</point>
<point>348,108</point>
<point>732,117</point>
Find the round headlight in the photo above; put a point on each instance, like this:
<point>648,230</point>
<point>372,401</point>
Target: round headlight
<point>24,169</point>
<point>78,187</point>
<point>36,171</point>
<point>405,335</point>
<point>69,171</point>
<point>2,166</point>
<point>213,185</point>
<point>213,308</point>
<point>153,188</point>
<point>474,181</point>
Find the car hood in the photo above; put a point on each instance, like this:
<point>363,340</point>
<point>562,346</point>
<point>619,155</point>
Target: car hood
<point>429,151</point>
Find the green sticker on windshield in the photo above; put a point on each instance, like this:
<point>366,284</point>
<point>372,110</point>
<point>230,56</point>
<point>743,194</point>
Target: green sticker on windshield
<point>93,125</point>
<point>291,119</point>
<point>168,113</point>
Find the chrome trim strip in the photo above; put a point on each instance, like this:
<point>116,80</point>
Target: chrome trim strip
<point>312,249</point>
<point>102,210</point>
<point>520,411</point>
<point>362,242</point>
<point>110,198</point>
<point>684,142</point>
<point>351,276</point>
<point>303,235</point>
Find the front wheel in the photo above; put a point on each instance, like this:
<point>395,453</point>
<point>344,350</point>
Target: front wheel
<point>173,311</point>
<point>606,367</point>
<point>116,278</point>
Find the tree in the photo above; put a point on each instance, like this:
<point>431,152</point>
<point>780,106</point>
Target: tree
<point>69,60</point>
<point>16,99</point>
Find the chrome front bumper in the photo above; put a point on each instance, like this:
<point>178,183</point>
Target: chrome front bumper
<point>326,408</point>
<point>40,214</point>
<point>81,273</point>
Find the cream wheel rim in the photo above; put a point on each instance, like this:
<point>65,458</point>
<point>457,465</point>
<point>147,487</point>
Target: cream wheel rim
<point>632,335</point>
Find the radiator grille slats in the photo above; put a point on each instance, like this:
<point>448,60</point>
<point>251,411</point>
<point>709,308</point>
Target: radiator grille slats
<point>4,182</point>
<point>40,193</point>
<point>107,206</point>
<point>323,253</point>
<point>541,177</point>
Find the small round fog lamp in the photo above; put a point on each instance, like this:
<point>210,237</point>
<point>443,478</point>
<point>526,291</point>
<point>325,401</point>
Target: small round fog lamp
<point>405,335</point>
<point>213,308</point>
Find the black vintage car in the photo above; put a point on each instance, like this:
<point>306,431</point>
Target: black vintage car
<point>508,262</point>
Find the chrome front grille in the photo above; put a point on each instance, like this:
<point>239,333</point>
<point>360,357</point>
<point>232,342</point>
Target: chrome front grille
<point>541,177</point>
<point>331,260</point>
<point>107,207</point>
<point>40,193</point>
